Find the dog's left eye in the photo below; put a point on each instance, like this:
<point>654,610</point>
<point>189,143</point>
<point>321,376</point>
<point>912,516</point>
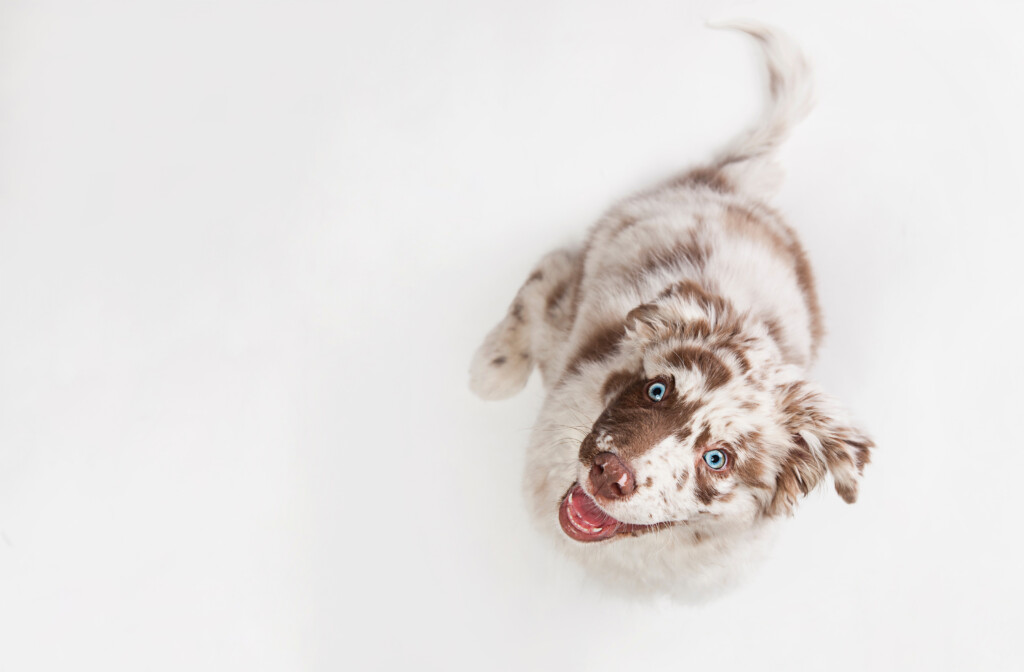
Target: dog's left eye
<point>656,391</point>
<point>715,459</point>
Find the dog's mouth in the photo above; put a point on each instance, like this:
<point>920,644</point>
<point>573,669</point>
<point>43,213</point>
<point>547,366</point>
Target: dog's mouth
<point>583,520</point>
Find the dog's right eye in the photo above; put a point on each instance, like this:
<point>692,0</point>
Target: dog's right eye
<point>656,391</point>
<point>716,459</point>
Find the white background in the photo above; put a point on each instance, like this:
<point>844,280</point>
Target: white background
<point>247,250</point>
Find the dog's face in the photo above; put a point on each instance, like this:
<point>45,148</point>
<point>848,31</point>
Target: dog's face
<point>705,430</point>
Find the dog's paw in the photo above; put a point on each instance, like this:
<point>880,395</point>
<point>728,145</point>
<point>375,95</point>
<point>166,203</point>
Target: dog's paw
<point>499,369</point>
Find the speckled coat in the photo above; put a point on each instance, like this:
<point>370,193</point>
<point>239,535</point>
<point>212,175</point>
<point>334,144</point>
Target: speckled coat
<point>677,337</point>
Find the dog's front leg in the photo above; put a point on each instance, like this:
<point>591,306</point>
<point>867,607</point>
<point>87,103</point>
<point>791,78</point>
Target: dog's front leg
<point>537,323</point>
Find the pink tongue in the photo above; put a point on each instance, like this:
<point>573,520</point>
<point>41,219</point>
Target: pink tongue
<point>582,519</point>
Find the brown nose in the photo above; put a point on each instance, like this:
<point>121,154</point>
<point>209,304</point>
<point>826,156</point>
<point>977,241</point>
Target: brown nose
<point>610,477</point>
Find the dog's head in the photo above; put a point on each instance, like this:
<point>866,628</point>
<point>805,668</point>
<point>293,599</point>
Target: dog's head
<point>704,425</point>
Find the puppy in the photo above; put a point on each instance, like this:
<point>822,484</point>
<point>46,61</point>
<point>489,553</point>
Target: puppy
<point>679,423</point>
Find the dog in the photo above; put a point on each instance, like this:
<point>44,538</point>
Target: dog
<point>679,424</point>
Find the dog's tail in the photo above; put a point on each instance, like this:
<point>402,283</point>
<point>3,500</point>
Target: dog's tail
<point>747,163</point>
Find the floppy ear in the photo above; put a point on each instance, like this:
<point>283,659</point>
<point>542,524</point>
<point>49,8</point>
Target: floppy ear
<point>648,322</point>
<point>684,309</point>
<point>822,440</point>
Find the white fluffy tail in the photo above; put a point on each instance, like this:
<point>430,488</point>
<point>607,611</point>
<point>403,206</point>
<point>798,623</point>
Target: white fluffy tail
<point>747,162</point>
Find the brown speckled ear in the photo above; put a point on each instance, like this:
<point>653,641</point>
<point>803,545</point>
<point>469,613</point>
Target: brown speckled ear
<point>643,322</point>
<point>683,309</point>
<point>823,441</point>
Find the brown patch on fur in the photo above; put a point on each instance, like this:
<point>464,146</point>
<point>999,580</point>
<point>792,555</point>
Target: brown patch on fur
<point>615,383</point>
<point>709,176</point>
<point>536,276</point>
<point>645,313</point>
<point>739,354</point>
<point>576,278</point>
<point>704,489</point>
<point>681,480</point>
<point>861,451</point>
<point>766,228</point>
<point>715,372</point>
<point>720,321</point>
<point>750,470</point>
<point>625,222</point>
<point>798,473</point>
<point>778,334</point>
<point>844,451</point>
<point>704,176</point>
<point>688,290</point>
<point>689,250</point>
<point>637,424</point>
<point>775,331</point>
<point>589,450</point>
<point>637,530</point>
<point>649,482</point>
<point>600,345</point>
<point>516,311</point>
<point>498,361</point>
<point>695,329</point>
<point>555,299</point>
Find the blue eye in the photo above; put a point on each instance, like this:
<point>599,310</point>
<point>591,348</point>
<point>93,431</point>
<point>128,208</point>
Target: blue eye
<point>715,459</point>
<point>656,391</point>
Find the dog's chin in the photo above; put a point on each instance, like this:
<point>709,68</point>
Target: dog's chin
<point>583,520</point>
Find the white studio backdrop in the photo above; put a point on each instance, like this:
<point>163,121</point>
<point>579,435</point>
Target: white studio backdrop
<point>247,250</point>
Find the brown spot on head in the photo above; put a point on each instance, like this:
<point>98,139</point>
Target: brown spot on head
<point>695,329</point>
<point>738,352</point>
<point>644,318</point>
<point>616,382</point>
<point>636,424</point>
<point>702,438</point>
<point>536,276</point>
<point>711,367</point>
<point>498,361</point>
<point>660,318</point>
